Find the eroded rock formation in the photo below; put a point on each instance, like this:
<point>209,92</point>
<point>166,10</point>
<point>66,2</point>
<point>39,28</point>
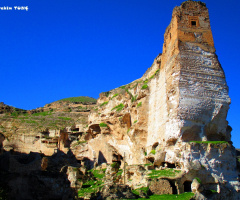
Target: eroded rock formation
<point>167,131</point>
<point>176,113</point>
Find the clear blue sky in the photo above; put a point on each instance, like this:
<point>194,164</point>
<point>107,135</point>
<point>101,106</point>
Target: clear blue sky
<point>66,48</point>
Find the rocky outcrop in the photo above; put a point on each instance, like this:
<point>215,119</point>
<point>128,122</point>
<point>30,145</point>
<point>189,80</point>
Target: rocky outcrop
<point>167,131</point>
<point>175,115</point>
<point>161,186</point>
<point>32,176</point>
<point>45,129</point>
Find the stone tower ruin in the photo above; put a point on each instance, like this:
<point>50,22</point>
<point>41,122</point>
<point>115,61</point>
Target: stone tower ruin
<point>194,101</point>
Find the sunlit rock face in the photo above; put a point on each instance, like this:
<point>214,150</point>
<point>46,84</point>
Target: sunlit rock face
<point>182,98</point>
<point>189,101</point>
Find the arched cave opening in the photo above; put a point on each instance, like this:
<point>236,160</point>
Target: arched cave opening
<point>172,142</point>
<point>169,165</point>
<point>93,131</point>
<point>75,129</point>
<point>155,146</point>
<point>117,158</point>
<point>174,188</point>
<point>187,186</point>
<point>150,159</point>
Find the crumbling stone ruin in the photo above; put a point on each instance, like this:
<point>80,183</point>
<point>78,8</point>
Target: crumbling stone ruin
<point>165,133</point>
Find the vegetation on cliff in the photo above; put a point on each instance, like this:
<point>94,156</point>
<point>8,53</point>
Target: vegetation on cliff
<point>57,115</point>
<point>80,99</point>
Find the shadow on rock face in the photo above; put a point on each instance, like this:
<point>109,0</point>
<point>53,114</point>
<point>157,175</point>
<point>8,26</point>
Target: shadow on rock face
<point>22,176</point>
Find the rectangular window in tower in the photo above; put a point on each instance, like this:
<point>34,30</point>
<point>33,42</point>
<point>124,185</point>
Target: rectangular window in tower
<point>193,21</point>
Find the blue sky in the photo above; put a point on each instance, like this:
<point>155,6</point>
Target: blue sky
<point>66,48</point>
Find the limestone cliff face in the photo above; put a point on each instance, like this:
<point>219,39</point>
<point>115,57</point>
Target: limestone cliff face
<point>182,98</point>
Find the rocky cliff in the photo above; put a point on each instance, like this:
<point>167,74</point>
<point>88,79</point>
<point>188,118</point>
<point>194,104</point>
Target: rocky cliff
<point>175,114</point>
<point>47,128</point>
<point>167,130</point>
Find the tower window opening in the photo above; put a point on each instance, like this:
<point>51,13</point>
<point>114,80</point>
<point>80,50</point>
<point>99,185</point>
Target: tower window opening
<point>193,23</point>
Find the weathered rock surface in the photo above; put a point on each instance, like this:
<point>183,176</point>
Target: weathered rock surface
<point>44,129</point>
<point>172,119</point>
<point>161,186</point>
<point>181,99</point>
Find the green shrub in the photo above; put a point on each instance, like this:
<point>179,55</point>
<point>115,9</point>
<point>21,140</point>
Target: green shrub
<point>153,152</point>
<point>145,86</point>
<point>99,174</point>
<point>118,107</point>
<point>198,180</point>
<point>65,118</point>
<point>80,99</point>
<point>15,114</point>
<point>156,72</point>
<point>128,92</point>
<point>183,196</point>
<point>144,189</point>
<point>134,98</point>
<point>163,173</point>
<point>139,104</point>
<point>148,164</point>
<point>123,87</point>
<point>42,113</point>
<point>135,121</point>
<point>90,187</point>
<point>210,142</point>
<point>106,94</point>
<point>103,125</point>
<point>31,122</point>
<point>213,191</point>
<point>104,103</point>
<point>115,165</point>
<point>115,95</point>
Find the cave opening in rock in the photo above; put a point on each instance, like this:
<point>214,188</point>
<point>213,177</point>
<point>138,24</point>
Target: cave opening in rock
<point>117,158</point>
<point>155,146</point>
<point>187,186</point>
<point>75,129</point>
<point>174,188</point>
<point>151,160</point>
<point>169,165</point>
<point>172,142</point>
